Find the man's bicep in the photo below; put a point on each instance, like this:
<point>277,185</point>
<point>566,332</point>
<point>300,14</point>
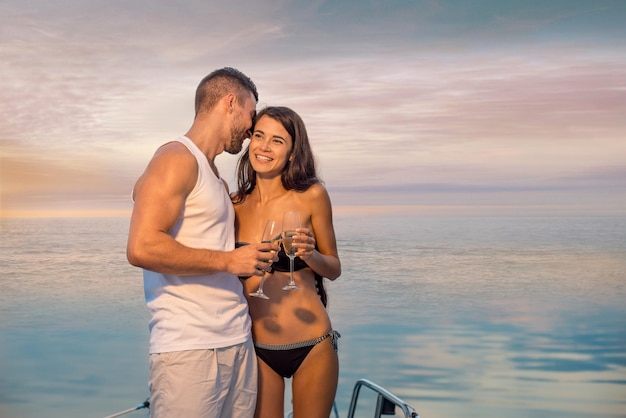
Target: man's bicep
<point>164,189</point>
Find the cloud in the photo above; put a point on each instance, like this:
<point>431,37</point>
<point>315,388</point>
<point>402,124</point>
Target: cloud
<point>407,93</point>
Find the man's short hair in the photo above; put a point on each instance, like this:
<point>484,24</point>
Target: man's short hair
<point>221,82</point>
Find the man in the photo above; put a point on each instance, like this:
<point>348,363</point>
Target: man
<point>202,362</point>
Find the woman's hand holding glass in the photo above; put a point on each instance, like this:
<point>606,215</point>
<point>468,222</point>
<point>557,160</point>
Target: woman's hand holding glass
<point>304,243</point>
<point>291,223</point>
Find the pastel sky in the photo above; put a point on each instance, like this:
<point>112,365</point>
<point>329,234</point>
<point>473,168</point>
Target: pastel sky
<point>466,107</point>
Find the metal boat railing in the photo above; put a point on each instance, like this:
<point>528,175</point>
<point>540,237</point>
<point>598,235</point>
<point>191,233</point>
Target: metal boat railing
<point>386,401</point>
<point>145,404</point>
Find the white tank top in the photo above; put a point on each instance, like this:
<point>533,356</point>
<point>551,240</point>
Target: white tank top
<point>205,311</point>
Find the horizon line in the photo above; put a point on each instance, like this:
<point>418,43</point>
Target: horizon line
<point>341,210</point>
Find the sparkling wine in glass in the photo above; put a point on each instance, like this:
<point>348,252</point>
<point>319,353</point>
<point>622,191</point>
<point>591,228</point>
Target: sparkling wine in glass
<point>291,221</point>
<point>271,234</point>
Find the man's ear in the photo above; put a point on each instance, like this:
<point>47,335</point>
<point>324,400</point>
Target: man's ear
<point>231,100</point>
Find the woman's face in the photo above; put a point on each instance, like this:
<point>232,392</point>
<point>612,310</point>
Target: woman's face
<point>270,146</point>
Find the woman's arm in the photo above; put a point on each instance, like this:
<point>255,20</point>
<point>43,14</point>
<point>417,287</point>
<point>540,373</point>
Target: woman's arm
<point>325,259</point>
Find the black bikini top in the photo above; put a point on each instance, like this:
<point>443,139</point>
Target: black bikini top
<point>298,264</point>
<point>283,260</point>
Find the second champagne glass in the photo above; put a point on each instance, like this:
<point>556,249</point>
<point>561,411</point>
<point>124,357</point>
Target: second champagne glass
<point>291,221</point>
<point>271,234</point>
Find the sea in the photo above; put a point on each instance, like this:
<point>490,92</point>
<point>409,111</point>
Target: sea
<point>461,317</point>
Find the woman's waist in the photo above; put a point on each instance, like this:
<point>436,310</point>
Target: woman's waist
<point>290,335</point>
<point>286,319</point>
<point>286,307</point>
<point>333,335</point>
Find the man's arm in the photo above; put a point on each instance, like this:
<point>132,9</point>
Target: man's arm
<point>159,197</point>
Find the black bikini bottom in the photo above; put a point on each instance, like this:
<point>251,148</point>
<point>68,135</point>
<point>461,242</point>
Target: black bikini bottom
<point>285,359</point>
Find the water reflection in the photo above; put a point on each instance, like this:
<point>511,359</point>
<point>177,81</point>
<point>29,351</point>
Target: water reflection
<point>510,318</point>
<point>491,318</point>
<point>492,368</point>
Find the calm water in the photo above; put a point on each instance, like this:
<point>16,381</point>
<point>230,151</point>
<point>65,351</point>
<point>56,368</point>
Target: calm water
<point>474,317</point>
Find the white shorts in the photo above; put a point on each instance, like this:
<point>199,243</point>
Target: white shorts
<point>213,383</point>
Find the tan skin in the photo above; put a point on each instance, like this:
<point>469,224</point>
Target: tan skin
<point>294,315</point>
<point>160,194</point>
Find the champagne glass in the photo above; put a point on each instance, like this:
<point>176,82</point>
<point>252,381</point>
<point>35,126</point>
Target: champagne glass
<point>291,221</point>
<point>271,234</point>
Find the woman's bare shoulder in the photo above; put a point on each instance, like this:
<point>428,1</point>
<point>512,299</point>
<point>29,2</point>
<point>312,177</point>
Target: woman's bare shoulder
<point>316,190</point>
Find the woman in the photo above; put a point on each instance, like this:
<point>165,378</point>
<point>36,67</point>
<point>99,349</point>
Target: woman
<point>292,331</point>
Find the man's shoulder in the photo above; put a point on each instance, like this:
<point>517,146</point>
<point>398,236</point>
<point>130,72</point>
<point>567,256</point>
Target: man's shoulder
<point>174,149</point>
<point>175,145</point>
